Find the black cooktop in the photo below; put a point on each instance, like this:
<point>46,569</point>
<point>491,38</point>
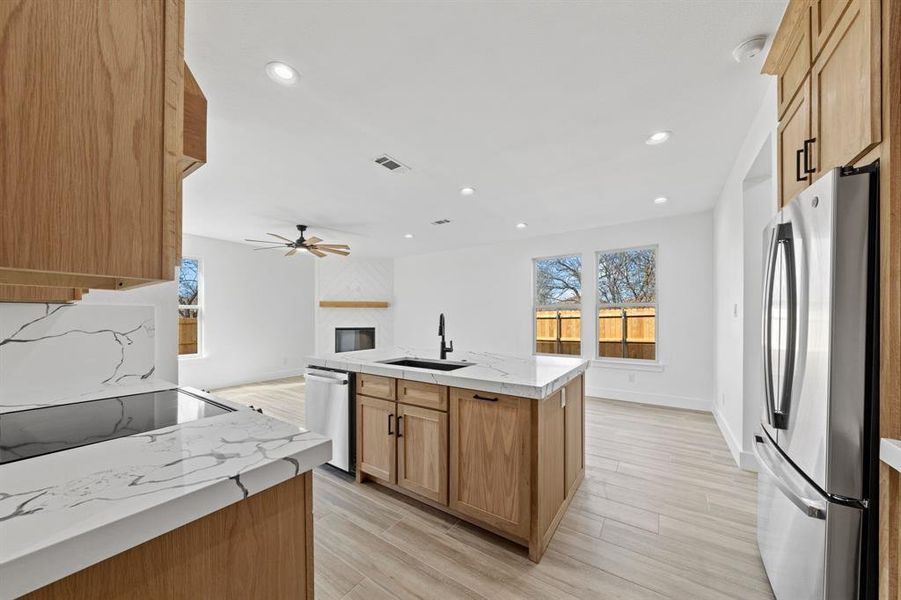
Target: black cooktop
<point>39,431</point>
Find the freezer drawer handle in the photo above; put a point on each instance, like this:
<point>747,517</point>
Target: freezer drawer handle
<point>319,378</point>
<point>807,506</point>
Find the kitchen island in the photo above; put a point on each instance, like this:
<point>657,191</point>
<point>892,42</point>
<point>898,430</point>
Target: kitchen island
<point>493,439</point>
<point>219,506</point>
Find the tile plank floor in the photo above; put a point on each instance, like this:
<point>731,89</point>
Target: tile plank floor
<point>663,513</point>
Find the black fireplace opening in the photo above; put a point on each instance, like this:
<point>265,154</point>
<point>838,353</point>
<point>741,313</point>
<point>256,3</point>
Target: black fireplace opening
<point>348,339</point>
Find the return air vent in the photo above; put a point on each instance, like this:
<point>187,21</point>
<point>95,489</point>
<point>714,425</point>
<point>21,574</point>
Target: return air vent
<point>391,164</point>
<point>441,222</point>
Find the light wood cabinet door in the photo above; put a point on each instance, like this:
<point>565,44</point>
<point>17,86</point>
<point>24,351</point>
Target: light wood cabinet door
<point>846,96</point>
<point>794,65</point>
<point>376,445</point>
<point>824,16</point>
<point>91,122</point>
<point>422,452</point>
<point>793,130</point>
<point>575,432</point>
<point>490,475</point>
<point>551,459</point>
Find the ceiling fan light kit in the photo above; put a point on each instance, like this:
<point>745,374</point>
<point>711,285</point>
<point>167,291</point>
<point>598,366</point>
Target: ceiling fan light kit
<point>312,245</point>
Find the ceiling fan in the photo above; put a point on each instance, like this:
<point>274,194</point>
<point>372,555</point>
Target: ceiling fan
<point>312,245</point>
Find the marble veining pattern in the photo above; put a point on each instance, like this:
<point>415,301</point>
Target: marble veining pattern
<point>527,376</point>
<point>62,512</point>
<point>76,348</point>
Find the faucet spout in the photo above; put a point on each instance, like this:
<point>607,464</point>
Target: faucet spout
<point>445,348</point>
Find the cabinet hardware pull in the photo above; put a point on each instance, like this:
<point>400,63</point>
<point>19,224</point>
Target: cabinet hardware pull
<point>390,418</point>
<point>400,421</point>
<point>798,165</point>
<point>477,397</point>
<point>807,144</point>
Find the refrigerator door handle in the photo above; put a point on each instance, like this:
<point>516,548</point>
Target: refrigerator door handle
<point>786,243</point>
<point>766,337</point>
<point>811,508</point>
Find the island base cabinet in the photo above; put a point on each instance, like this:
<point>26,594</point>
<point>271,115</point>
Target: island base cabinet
<point>376,443</point>
<point>490,458</point>
<point>261,547</point>
<point>422,452</point>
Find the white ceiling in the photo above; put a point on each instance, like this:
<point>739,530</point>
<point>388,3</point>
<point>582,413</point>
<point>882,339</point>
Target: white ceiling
<point>543,107</point>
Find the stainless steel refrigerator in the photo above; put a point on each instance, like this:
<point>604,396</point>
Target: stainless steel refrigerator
<point>817,449</point>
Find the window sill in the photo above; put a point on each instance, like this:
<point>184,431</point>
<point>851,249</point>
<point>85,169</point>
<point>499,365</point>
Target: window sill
<point>190,356</point>
<point>629,365</point>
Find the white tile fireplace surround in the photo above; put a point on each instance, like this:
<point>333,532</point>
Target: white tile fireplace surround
<point>354,279</point>
<point>50,350</point>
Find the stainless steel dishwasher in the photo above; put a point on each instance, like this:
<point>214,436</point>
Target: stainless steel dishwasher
<point>330,410</point>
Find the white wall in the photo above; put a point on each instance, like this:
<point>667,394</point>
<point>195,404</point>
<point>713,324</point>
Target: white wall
<point>486,294</point>
<point>256,314</point>
<point>353,278</point>
<point>746,203</point>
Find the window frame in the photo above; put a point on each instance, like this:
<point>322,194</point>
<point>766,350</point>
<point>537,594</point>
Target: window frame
<point>198,307</point>
<point>536,307</point>
<point>598,305</point>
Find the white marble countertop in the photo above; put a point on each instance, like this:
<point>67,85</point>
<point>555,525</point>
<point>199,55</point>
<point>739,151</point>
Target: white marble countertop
<point>41,397</point>
<point>64,511</point>
<point>527,376</point>
<point>890,453</point>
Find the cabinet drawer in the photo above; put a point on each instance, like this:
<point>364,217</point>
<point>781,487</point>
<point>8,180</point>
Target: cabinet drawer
<point>375,386</point>
<point>795,64</point>
<point>426,395</point>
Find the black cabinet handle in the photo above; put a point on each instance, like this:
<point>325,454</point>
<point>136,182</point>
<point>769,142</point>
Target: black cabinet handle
<point>798,165</point>
<point>390,418</point>
<point>477,397</point>
<point>807,144</point>
<point>400,421</point>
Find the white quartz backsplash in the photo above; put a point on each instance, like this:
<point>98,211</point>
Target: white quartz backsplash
<point>79,348</point>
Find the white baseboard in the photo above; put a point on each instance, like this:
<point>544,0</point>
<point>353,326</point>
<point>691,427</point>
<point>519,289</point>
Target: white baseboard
<point>648,398</point>
<point>745,460</point>
<point>218,383</point>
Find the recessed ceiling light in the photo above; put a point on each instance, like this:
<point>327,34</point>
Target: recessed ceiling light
<point>409,236</point>
<point>282,73</point>
<point>660,200</point>
<point>467,191</point>
<point>521,225</point>
<point>658,137</point>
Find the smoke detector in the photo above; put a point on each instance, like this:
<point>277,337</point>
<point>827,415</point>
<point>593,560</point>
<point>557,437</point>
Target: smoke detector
<point>392,164</point>
<point>749,48</point>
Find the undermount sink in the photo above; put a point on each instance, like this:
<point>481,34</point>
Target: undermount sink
<point>425,363</point>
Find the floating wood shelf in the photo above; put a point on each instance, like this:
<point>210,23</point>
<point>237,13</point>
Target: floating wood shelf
<point>352,304</point>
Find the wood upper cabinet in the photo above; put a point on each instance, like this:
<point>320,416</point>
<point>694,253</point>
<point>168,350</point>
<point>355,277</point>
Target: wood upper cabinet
<point>846,107</point>
<point>194,123</point>
<point>422,451</point>
<point>490,474</point>
<point>376,445</point>
<point>824,15</point>
<point>794,65</point>
<point>793,131</point>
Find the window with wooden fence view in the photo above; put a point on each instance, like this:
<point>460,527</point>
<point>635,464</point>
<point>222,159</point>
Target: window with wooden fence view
<point>627,304</point>
<point>188,306</point>
<point>558,305</point>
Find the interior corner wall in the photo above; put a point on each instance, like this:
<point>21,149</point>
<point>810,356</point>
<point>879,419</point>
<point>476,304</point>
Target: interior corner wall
<point>256,314</point>
<point>486,294</point>
<point>734,409</point>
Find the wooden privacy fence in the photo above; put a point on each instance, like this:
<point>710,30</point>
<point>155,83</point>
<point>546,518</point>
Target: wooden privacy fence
<point>622,332</point>
<point>187,335</point>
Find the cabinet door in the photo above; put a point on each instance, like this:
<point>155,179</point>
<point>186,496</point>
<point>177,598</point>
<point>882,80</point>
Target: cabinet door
<point>846,104</point>
<point>551,482</point>
<point>490,436</point>
<point>575,432</point>
<point>422,451</point>
<point>376,441</point>
<point>793,130</point>
<point>794,65</point>
<point>824,16</point>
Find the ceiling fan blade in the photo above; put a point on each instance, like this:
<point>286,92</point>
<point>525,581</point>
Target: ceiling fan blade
<point>291,252</point>
<point>335,246</point>
<point>263,241</point>
<point>281,237</point>
<point>316,252</point>
<point>279,247</point>
<point>333,251</point>
<point>313,241</point>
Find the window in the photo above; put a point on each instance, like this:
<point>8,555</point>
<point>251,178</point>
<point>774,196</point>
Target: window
<point>558,305</point>
<point>189,307</point>
<point>627,304</point>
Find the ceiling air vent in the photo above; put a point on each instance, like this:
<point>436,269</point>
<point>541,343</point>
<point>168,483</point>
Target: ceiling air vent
<point>441,222</point>
<point>391,164</point>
